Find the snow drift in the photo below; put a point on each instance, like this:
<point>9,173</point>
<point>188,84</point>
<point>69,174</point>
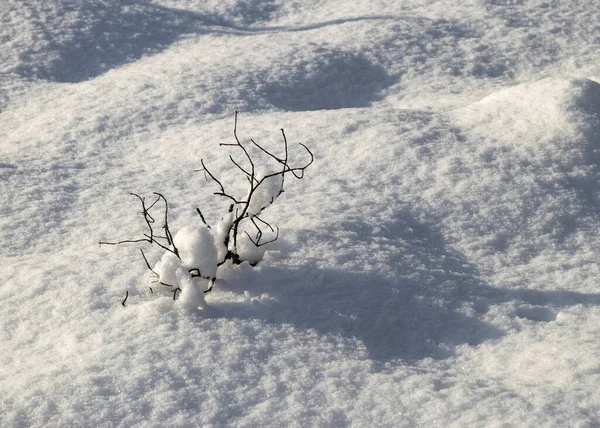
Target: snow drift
<point>439,268</point>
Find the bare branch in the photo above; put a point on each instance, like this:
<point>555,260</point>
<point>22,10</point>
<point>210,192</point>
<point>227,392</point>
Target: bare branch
<point>248,174</point>
<point>263,222</point>
<point>259,233</point>
<point>147,217</point>
<point>165,284</point>
<point>127,241</point>
<point>150,237</point>
<point>211,285</point>
<point>283,161</point>
<point>260,244</point>
<point>202,218</point>
<point>222,192</point>
<point>251,174</point>
<point>147,264</point>
<point>207,171</point>
<point>169,236</point>
<point>153,203</point>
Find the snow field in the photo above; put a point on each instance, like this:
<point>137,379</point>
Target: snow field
<point>436,267</point>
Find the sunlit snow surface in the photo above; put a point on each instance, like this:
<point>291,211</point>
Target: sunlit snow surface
<point>437,266</point>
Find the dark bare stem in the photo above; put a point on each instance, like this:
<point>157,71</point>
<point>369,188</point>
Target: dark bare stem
<point>260,244</point>
<point>282,161</point>
<point>263,222</point>
<point>147,264</point>
<point>195,273</point>
<point>210,286</point>
<point>147,217</point>
<point>202,218</point>
<point>259,230</point>
<point>168,234</point>
<point>127,241</point>
<point>249,175</point>
<point>152,206</point>
<point>126,296</point>
<point>222,192</point>
<point>255,183</point>
<point>150,236</point>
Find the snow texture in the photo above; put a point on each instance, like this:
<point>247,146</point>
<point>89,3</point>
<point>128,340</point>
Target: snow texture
<point>437,266</point>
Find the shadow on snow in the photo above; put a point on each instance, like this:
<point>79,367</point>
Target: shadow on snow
<point>86,41</point>
<point>99,36</point>
<point>427,300</point>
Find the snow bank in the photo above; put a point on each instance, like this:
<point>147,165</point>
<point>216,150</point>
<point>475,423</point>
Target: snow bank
<point>524,179</point>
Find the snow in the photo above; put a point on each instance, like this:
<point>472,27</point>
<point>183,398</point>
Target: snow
<point>265,193</point>
<point>167,269</point>
<point>197,249</point>
<point>436,266</point>
<point>220,232</point>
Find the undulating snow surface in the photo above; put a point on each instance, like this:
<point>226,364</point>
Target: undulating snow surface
<point>437,266</point>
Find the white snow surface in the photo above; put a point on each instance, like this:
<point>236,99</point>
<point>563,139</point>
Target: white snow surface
<point>437,266</point>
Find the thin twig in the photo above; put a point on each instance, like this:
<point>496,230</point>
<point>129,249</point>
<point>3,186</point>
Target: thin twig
<point>211,285</point>
<point>263,222</point>
<point>202,218</point>
<point>260,244</point>
<point>169,237</point>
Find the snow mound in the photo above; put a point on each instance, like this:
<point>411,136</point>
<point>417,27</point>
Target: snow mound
<point>532,112</point>
<point>523,177</point>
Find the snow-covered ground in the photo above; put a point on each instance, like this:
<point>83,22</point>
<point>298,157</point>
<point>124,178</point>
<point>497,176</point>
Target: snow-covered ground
<point>437,266</point>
